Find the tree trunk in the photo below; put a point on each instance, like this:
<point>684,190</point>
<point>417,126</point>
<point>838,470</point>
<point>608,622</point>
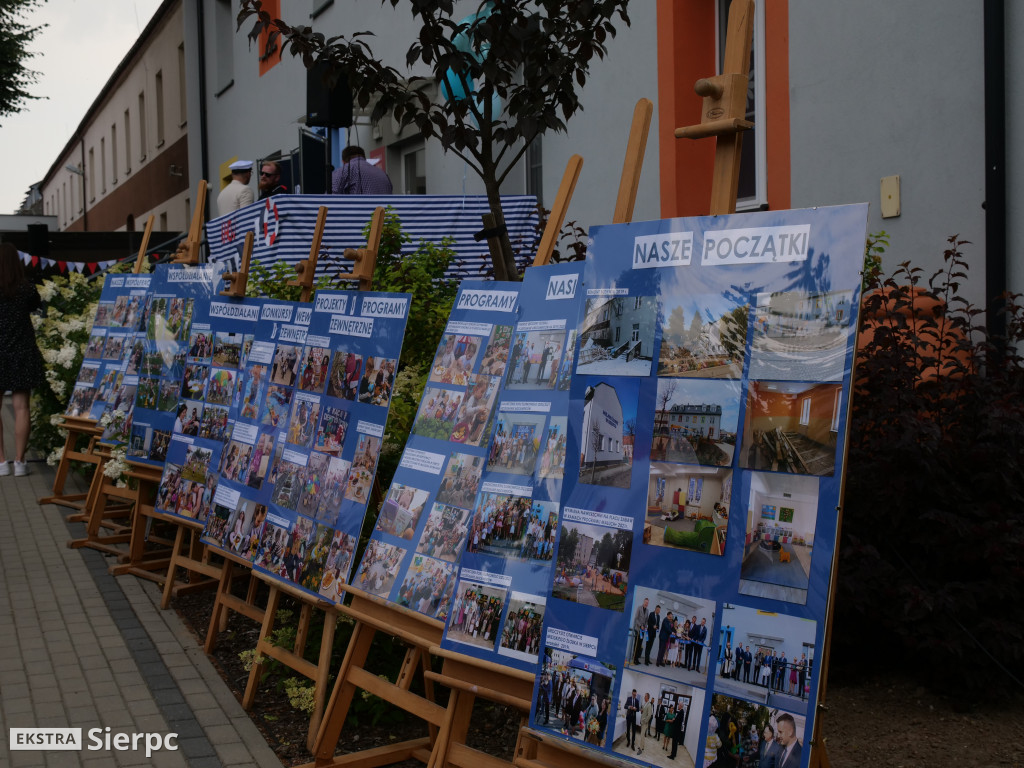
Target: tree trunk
<point>506,269</point>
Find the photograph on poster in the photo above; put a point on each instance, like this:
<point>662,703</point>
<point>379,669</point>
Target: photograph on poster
<point>287,480</point>
<point>345,373</point>
<point>472,422</point>
<point>535,359</point>
<point>670,635</point>
<point>364,462</point>
<point>607,432</point>
<point>801,336</point>
<point>330,435</point>
<point>520,637</point>
<point>238,523</point>
<point>791,427</point>
<point>688,507</point>
<point>461,480</point>
<point>105,313</point>
<point>578,689</point>
<point>149,443</point>
<point>235,460</point>
<point>285,365</point>
<point>81,400</point>
<point>552,458</point>
<point>695,422</point>
<point>167,397</point>
<point>200,346</point>
<point>513,526</point>
<point>703,336</point>
<point>193,384</point>
<point>272,549</point>
<point>188,417</point>
<point>251,545</point>
<point>766,657</point>
<point>492,363</point>
<point>437,413</point>
<point>215,425</point>
<point>593,565</point>
<point>771,736</point>
<point>658,721</point>
<point>221,389</point>
<point>455,358</point>
<point>332,490</point>
<point>617,336</point>
<point>318,546</point>
<point>779,539</point>
<point>311,481</point>
<point>227,349</point>
<point>379,567</point>
<point>94,348</point>
<point>135,357</point>
<point>565,370</point>
<point>336,567</point>
<point>515,443</point>
<point>401,511</point>
<point>476,613</point>
<point>314,365</point>
<point>377,382</point>
<point>253,385</point>
<point>279,399</point>
<point>302,426</point>
<point>114,347</point>
<point>89,374</point>
<point>427,586</point>
<point>445,532</point>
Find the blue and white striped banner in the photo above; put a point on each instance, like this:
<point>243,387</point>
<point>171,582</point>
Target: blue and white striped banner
<point>284,227</point>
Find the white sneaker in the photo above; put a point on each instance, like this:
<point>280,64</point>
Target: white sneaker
<point>5,468</point>
<point>20,468</point>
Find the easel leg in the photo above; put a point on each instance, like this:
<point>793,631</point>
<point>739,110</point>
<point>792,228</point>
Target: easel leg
<point>341,697</point>
<point>323,671</point>
<point>179,537</point>
<point>257,666</point>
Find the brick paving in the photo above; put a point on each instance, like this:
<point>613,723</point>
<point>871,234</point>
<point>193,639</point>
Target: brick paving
<point>80,648</point>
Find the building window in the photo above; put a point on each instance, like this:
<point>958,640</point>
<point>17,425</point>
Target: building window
<point>92,176</point>
<point>142,127</point>
<point>805,412</point>
<point>224,23</point>
<point>637,301</point>
<point>127,142</point>
<point>835,410</point>
<point>182,94</point>
<point>103,166</point>
<point>753,186</point>
<point>113,153</point>
<point>535,170</point>
<point>160,109</point>
<point>163,221</point>
<point>618,329</point>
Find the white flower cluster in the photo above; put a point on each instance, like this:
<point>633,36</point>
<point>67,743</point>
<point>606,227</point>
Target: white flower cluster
<point>47,290</point>
<point>116,466</point>
<point>55,456</point>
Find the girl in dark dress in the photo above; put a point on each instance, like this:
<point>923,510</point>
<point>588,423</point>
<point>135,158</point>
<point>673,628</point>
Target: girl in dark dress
<point>21,364</point>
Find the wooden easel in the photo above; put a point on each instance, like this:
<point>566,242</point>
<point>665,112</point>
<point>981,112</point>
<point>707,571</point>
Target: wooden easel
<point>148,553</point>
<point>104,529</point>
<point>306,268</point>
<point>79,428</point>
<point>189,248</point>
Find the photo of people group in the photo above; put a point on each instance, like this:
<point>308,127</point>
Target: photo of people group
<point>476,613</point>
<point>574,696</point>
<point>742,733</point>
<point>670,635</point>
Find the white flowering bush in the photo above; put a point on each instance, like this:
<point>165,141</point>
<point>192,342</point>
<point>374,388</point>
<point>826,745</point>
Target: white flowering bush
<point>62,331</point>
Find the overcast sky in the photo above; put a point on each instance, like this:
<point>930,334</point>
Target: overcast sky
<point>78,51</point>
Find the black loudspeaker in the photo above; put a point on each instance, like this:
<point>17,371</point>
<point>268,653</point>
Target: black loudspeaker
<point>38,239</point>
<point>325,106</point>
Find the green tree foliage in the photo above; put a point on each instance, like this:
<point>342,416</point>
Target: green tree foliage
<point>532,55</point>
<point>15,37</point>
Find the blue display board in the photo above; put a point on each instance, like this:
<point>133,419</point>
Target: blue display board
<point>308,424</point>
<point>706,429</point>
<point>424,524</point>
<point>179,293</point>
<point>221,335</point>
<point>510,524</point>
<point>109,352</point>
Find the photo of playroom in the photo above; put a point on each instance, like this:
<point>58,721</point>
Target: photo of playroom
<point>673,705</point>
<point>766,657</point>
<point>688,507</point>
<point>782,512</point>
<point>791,427</point>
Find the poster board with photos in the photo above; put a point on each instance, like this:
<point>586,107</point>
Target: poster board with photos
<point>109,352</point>
<point>178,294</point>
<point>727,343</point>
<point>507,529</point>
<point>297,477</point>
<point>219,340</point>
<point>421,532</point>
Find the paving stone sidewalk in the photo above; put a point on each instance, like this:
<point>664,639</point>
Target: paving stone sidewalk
<point>80,648</point>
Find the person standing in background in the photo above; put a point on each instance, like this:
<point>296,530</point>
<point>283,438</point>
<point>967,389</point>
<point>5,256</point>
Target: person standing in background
<point>21,364</point>
<point>270,180</point>
<point>236,194</point>
<point>357,176</point>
